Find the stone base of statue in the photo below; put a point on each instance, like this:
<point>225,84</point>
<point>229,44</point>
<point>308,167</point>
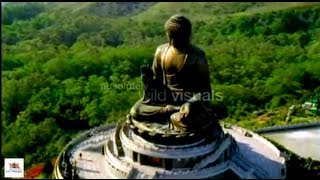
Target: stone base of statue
<point>139,150</point>
<point>164,153</point>
<point>133,150</point>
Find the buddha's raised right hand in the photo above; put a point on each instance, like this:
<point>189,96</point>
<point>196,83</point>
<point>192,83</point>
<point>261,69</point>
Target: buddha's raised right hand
<point>146,74</point>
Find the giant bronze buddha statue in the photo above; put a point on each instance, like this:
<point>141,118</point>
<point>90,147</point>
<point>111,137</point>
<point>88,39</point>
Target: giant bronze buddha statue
<point>177,85</point>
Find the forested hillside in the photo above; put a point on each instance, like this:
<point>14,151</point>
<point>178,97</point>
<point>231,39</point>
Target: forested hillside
<point>72,66</point>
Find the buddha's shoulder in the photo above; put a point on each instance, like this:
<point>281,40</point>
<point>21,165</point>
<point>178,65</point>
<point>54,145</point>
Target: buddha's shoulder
<point>162,47</point>
<point>196,50</point>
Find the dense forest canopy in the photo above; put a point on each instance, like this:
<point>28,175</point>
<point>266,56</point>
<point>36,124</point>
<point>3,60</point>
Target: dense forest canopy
<point>72,66</point>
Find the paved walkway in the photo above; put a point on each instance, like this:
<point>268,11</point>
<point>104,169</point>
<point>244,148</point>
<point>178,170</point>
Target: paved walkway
<point>304,142</point>
<point>92,164</point>
<point>258,153</point>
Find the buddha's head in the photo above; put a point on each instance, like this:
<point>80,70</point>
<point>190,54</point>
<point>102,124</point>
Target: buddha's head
<point>178,30</point>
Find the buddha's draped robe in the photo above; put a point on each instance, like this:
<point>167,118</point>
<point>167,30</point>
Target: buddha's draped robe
<point>185,77</point>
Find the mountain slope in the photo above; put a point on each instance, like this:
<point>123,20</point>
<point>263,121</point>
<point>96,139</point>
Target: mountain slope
<point>112,9</point>
<point>208,10</point>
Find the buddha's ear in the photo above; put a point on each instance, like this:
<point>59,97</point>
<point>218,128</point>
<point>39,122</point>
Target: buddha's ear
<point>171,41</point>
<point>169,38</point>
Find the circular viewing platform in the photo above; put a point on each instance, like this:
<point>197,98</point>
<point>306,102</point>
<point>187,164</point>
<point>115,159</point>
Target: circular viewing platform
<point>121,152</point>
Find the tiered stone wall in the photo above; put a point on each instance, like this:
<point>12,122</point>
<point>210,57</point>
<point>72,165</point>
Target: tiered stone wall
<point>103,131</point>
